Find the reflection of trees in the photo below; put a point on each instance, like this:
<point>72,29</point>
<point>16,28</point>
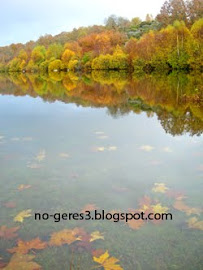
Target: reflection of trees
<point>178,125</point>
<point>176,99</point>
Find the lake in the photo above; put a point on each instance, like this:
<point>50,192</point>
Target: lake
<point>117,142</point>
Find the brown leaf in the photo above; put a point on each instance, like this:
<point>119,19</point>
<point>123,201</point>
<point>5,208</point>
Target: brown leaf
<point>194,223</point>
<point>24,247</point>
<point>10,204</point>
<point>22,262</point>
<point>8,233</point>
<point>181,206</point>
<point>22,187</point>
<point>64,237</point>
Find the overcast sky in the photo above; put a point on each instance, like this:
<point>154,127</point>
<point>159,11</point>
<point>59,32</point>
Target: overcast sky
<point>24,20</point>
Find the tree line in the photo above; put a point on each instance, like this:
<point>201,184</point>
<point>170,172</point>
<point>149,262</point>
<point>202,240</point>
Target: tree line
<point>171,41</point>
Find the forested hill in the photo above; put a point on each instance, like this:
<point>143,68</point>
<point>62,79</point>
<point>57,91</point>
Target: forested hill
<point>172,40</point>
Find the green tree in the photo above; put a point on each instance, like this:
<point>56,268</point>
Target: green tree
<point>38,54</point>
<point>54,50</point>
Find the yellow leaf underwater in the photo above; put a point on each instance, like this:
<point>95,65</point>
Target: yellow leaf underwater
<point>159,188</point>
<point>41,156</point>
<point>24,214</point>
<point>194,223</point>
<point>158,208</point>
<point>22,262</point>
<point>108,263</point>
<point>96,236</point>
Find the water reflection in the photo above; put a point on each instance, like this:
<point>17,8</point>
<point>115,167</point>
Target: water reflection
<point>176,98</point>
<point>62,158</point>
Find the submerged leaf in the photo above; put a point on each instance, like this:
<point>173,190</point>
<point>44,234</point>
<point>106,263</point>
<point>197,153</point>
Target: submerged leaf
<point>22,262</point>
<point>64,237</point>
<point>24,247</point>
<point>22,187</point>
<point>109,263</point>
<point>96,236</point>
<point>10,204</point>
<point>158,208</point>
<point>41,156</point>
<point>159,187</point>
<point>8,233</point>
<point>194,223</point>
<point>181,206</point>
<point>23,214</point>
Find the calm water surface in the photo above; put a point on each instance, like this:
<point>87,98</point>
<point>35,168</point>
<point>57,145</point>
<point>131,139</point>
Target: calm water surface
<point>116,144</point>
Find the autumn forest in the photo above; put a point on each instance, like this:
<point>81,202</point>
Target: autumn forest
<point>171,41</point>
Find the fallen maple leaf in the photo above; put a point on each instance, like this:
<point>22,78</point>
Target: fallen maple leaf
<point>159,187</point>
<point>10,204</point>
<point>108,263</point>
<point>158,208</point>
<point>64,237</point>
<point>96,236</point>
<point>22,187</point>
<point>144,203</point>
<point>194,223</point>
<point>20,216</point>
<point>22,262</point>
<point>181,206</point>
<point>175,194</point>
<point>8,233</point>
<point>41,156</point>
<point>24,247</point>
